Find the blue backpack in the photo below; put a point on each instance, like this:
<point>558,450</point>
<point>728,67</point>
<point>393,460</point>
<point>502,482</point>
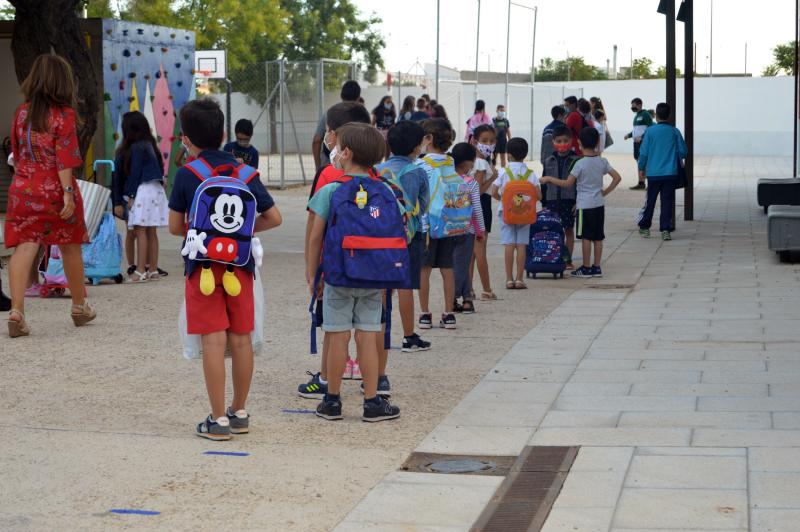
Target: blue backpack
<point>450,208</point>
<point>365,242</point>
<point>224,208</point>
<point>411,211</point>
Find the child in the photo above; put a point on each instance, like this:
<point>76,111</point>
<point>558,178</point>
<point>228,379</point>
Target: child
<point>241,148</point>
<point>140,183</point>
<point>464,155</point>
<point>485,174</point>
<point>406,141</point>
<point>439,136</point>
<point>478,118</point>
<point>221,317</point>
<point>514,237</point>
<point>558,199</point>
<point>336,116</point>
<point>358,148</point>
<point>588,174</point>
<point>503,128</point>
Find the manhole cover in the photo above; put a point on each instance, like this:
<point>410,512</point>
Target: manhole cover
<point>467,465</point>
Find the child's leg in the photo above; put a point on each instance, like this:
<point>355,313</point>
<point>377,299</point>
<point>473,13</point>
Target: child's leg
<point>214,370</point>
<point>326,345</point>
<point>130,243</point>
<point>337,359</point>
<point>141,247</point>
<point>460,264</point>
<point>586,249</point>
<point>509,262</point>
<point>152,249</point>
<point>425,290</point>
<point>598,252</point>
<point>520,261</point>
<point>449,286</point>
<point>569,237</point>
<point>383,353</point>
<point>483,263</point>
<point>366,343</point>
<point>242,367</point>
<point>406,303</point>
<point>503,159</point>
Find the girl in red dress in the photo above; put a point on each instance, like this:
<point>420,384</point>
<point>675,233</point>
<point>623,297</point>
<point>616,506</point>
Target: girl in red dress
<point>44,205</point>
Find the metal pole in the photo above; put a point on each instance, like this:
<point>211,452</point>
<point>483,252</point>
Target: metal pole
<point>671,73</point>
<point>745,59</point>
<point>533,72</point>
<point>282,74</point>
<point>711,45</point>
<point>228,107</point>
<point>438,2</point>
<point>321,88</point>
<point>631,72</point>
<point>508,43</point>
<point>615,61</point>
<point>477,48</point>
<point>688,110</point>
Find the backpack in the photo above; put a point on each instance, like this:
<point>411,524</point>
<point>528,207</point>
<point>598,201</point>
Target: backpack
<point>224,208</point>
<point>519,199</point>
<point>411,217</point>
<point>365,240</point>
<point>450,208</point>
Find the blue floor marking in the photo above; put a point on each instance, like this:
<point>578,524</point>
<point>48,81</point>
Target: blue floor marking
<point>136,512</point>
<point>227,453</point>
<point>298,411</point>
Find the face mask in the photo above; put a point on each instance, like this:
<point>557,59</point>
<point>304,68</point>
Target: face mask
<point>387,106</point>
<point>486,149</point>
<point>186,149</point>
<point>501,114</point>
<point>634,109</point>
<point>335,160</point>
<point>562,148</point>
<point>243,143</point>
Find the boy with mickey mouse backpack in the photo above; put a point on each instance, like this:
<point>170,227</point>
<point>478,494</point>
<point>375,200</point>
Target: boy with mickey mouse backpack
<point>218,205</point>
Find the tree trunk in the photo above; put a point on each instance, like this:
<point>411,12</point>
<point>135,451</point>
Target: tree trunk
<point>42,26</point>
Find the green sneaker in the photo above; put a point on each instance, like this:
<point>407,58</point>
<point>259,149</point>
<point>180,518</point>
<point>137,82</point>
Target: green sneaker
<point>644,233</point>
<point>666,235</point>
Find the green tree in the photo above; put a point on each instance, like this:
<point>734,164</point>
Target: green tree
<point>783,60</point>
<point>661,73</point>
<point>642,68</point>
<point>569,69</point>
<point>99,9</point>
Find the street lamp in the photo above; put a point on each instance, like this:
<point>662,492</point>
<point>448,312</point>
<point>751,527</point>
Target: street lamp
<point>535,10</point>
<point>477,48</point>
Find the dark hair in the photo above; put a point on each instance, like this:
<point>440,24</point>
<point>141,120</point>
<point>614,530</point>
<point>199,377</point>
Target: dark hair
<point>562,131</point>
<point>49,84</point>
<point>480,105</point>
<point>422,103</point>
<point>439,111</point>
<point>599,114</point>
<point>499,105</point>
<point>408,105</point>
<point>426,97</point>
<point>404,137</point>
<point>589,138</point>
<point>441,131</point>
<point>346,112</point>
<point>557,111</point>
<point>462,152</point>
<point>597,103</point>
<point>379,110</point>
<point>351,91</point>
<point>584,106</point>
<point>483,128</point>
<point>203,123</point>
<point>572,100</point>
<point>366,143</point>
<point>244,126</point>
<point>663,111</point>
<point>517,148</point>
<point>637,101</point>
<point>135,128</point>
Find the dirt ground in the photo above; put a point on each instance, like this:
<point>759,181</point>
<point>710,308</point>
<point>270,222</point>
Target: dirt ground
<point>102,418</point>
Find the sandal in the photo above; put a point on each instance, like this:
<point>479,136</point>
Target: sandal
<point>153,276</point>
<point>17,328</point>
<point>468,307</point>
<point>520,285</point>
<point>510,285</point>
<point>138,277</point>
<point>488,296</point>
<point>84,314</point>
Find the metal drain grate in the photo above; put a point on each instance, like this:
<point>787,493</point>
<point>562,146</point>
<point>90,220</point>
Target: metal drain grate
<point>524,499</point>
<point>497,466</point>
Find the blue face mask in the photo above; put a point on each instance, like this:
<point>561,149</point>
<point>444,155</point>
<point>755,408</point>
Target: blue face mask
<point>387,106</point>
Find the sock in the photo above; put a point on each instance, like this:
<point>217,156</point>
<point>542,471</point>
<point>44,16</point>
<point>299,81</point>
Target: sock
<point>331,397</point>
<point>323,381</point>
<point>375,400</point>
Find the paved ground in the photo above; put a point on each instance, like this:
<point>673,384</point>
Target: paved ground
<point>689,350</point>
<point>679,380</point>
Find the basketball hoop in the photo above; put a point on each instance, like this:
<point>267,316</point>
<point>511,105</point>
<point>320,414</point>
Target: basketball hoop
<point>203,74</point>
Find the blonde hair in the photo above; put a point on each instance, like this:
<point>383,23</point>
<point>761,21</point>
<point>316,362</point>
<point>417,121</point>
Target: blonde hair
<point>49,84</point>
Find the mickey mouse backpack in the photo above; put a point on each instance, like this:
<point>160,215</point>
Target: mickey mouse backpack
<point>222,217</point>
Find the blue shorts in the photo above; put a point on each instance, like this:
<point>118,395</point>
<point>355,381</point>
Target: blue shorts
<point>514,234</point>
<point>416,250</point>
<point>564,212</point>
<point>351,308</point>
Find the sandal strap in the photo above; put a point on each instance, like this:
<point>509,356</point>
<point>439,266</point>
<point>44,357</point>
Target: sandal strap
<point>19,313</point>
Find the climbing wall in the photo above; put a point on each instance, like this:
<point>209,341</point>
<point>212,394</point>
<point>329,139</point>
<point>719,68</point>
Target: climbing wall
<point>149,69</point>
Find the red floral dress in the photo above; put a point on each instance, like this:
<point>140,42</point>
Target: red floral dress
<point>36,197</point>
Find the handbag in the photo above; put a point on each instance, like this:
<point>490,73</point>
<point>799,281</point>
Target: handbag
<point>682,180</point>
<point>609,138</point>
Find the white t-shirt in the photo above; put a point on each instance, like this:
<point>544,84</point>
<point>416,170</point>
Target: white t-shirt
<point>481,165</point>
<point>518,169</point>
<point>601,128</point>
<point>589,173</point>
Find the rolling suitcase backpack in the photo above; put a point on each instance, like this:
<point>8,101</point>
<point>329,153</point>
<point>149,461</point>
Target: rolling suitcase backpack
<point>545,249</point>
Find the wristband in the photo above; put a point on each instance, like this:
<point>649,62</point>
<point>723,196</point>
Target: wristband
<point>69,190</point>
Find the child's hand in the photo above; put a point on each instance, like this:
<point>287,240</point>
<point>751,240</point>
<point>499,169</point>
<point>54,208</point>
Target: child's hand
<point>119,212</point>
<point>574,209</point>
<point>194,244</point>
<point>257,251</point>
<point>130,203</point>
<point>544,180</point>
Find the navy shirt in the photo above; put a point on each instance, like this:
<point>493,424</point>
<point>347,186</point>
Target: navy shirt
<point>186,183</point>
<point>248,155</point>
<point>145,166</point>
<point>418,116</point>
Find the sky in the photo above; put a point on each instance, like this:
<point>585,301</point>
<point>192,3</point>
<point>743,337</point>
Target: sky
<point>588,28</point>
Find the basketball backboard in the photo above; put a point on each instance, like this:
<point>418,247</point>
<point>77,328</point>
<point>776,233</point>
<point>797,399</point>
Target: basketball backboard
<point>211,63</point>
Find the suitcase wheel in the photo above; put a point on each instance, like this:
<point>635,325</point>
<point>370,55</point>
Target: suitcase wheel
<point>562,275</point>
<point>118,278</point>
<point>44,292</point>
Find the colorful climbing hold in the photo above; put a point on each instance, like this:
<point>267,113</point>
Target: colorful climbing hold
<point>140,31</point>
<point>186,56</point>
<point>122,84</point>
<point>132,75</point>
<point>138,53</point>
<point>113,67</point>
<point>164,50</point>
<point>152,49</point>
<point>171,35</point>
<point>126,53</point>
<point>179,84</point>
<point>177,65</point>
<point>156,33</point>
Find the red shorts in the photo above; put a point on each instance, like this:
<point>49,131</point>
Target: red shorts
<point>219,311</point>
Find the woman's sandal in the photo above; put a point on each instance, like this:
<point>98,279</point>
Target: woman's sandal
<point>510,285</point>
<point>153,276</point>
<point>520,285</point>
<point>488,296</point>
<point>138,277</point>
<point>84,315</point>
<point>17,328</point>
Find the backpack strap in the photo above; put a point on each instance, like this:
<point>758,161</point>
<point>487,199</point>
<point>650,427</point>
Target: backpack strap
<point>437,164</point>
<point>313,311</point>
<point>245,173</point>
<point>406,169</point>
<point>200,168</point>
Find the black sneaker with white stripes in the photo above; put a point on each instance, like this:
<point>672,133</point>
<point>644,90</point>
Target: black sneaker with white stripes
<point>415,343</point>
<point>379,409</point>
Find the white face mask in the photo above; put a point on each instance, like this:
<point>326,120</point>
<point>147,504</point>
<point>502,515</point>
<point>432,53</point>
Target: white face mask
<point>486,149</point>
<point>501,114</point>
<point>334,157</point>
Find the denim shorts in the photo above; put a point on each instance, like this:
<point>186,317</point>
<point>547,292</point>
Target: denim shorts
<point>514,234</point>
<point>351,308</point>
